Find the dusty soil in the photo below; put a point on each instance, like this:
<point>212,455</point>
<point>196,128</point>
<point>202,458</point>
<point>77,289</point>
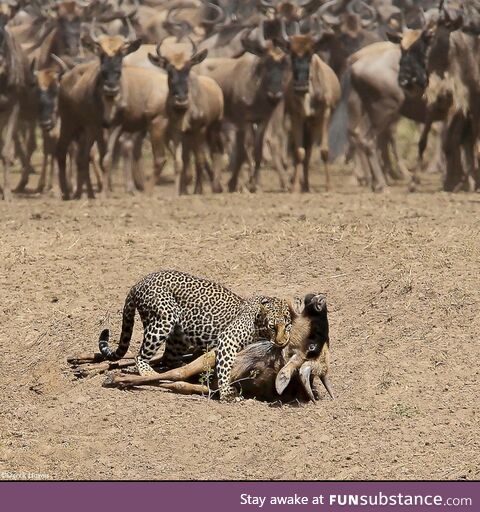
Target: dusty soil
<point>401,275</point>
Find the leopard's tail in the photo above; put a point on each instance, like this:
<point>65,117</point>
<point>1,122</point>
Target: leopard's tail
<point>125,337</point>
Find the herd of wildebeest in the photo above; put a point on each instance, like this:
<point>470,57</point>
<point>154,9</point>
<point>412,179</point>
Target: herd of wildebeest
<point>222,87</point>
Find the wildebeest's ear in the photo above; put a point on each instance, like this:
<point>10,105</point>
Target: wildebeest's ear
<point>198,57</point>
<point>282,43</point>
<point>252,47</point>
<point>296,307</point>
<point>32,77</point>
<point>394,37</point>
<point>283,379</point>
<point>452,19</point>
<point>132,46</point>
<point>33,66</point>
<point>325,37</point>
<point>89,43</point>
<point>160,62</point>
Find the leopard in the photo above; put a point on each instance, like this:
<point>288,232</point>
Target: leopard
<point>182,311</point>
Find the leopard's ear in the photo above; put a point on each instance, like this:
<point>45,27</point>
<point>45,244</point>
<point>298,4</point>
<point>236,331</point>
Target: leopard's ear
<point>264,301</point>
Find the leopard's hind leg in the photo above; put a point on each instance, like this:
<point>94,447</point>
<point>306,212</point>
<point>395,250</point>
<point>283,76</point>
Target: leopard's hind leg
<point>159,325</point>
<point>175,348</point>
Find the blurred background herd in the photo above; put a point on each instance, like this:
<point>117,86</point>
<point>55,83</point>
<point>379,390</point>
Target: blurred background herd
<point>210,93</point>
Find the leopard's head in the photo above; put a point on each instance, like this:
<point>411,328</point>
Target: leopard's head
<point>276,320</point>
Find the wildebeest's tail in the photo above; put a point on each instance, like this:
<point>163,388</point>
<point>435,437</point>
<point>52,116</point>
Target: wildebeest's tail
<point>125,337</point>
<point>338,132</point>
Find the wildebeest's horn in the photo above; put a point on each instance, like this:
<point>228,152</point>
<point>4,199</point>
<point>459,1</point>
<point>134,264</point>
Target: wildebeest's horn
<point>218,19</point>
<point>267,4</point>
<point>194,47</point>
<point>283,30</point>
<point>91,32</point>
<point>305,374</point>
<point>327,16</point>
<point>60,62</point>
<point>261,35</point>
<point>310,5</point>
<point>356,5</point>
<point>320,302</point>
<point>131,35</point>
<point>327,385</point>
<point>159,48</point>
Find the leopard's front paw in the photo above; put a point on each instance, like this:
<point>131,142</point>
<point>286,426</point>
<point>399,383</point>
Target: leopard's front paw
<point>143,368</point>
<point>228,394</point>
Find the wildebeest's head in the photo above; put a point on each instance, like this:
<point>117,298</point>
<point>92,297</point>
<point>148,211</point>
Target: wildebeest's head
<point>302,47</point>
<point>308,351</point>
<point>424,50</point>
<point>288,9</point>
<point>65,18</point>
<point>46,84</point>
<point>8,8</point>
<point>273,64</point>
<point>178,66</point>
<point>111,50</point>
<point>268,372</point>
<point>69,17</point>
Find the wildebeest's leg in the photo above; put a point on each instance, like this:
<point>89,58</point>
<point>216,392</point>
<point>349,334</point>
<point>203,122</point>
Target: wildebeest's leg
<point>25,161</point>
<point>97,171</point>
<point>451,148</point>
<point>51,172</point>
<point>324,149</point>
<point>107,161</point>
<point>183,170</point>
<point>403,172</point>
<point>25,146</point>
<point>298,153</point>
<point>83,166</point>
<point>45,162</point>
<point>215,145</point>
<point>471,164</point>
<point>7,150</point>
<point>97,155</point>
<point>50,142</point>
<point>63,145</point>
<point>369,143</point>
<point>127,144</point>
<point>259,137</point>
<point>199,143</point>
<point>310,134</point>
<point>277,142</point>
<point>238,158</point>
<point>157,131</point>
<point>137,167</point>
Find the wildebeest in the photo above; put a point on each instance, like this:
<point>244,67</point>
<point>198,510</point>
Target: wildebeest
<point>13,93</point>
<point>265,372</point>
<point>252,86</point>
<point>88,103</point>
<point>46,84</point>
<point>439,63</point>
<point>195,112</point>
<point>312,93</point>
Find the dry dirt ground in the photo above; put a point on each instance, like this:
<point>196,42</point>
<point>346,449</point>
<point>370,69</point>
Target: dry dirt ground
<point>401,275</point>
